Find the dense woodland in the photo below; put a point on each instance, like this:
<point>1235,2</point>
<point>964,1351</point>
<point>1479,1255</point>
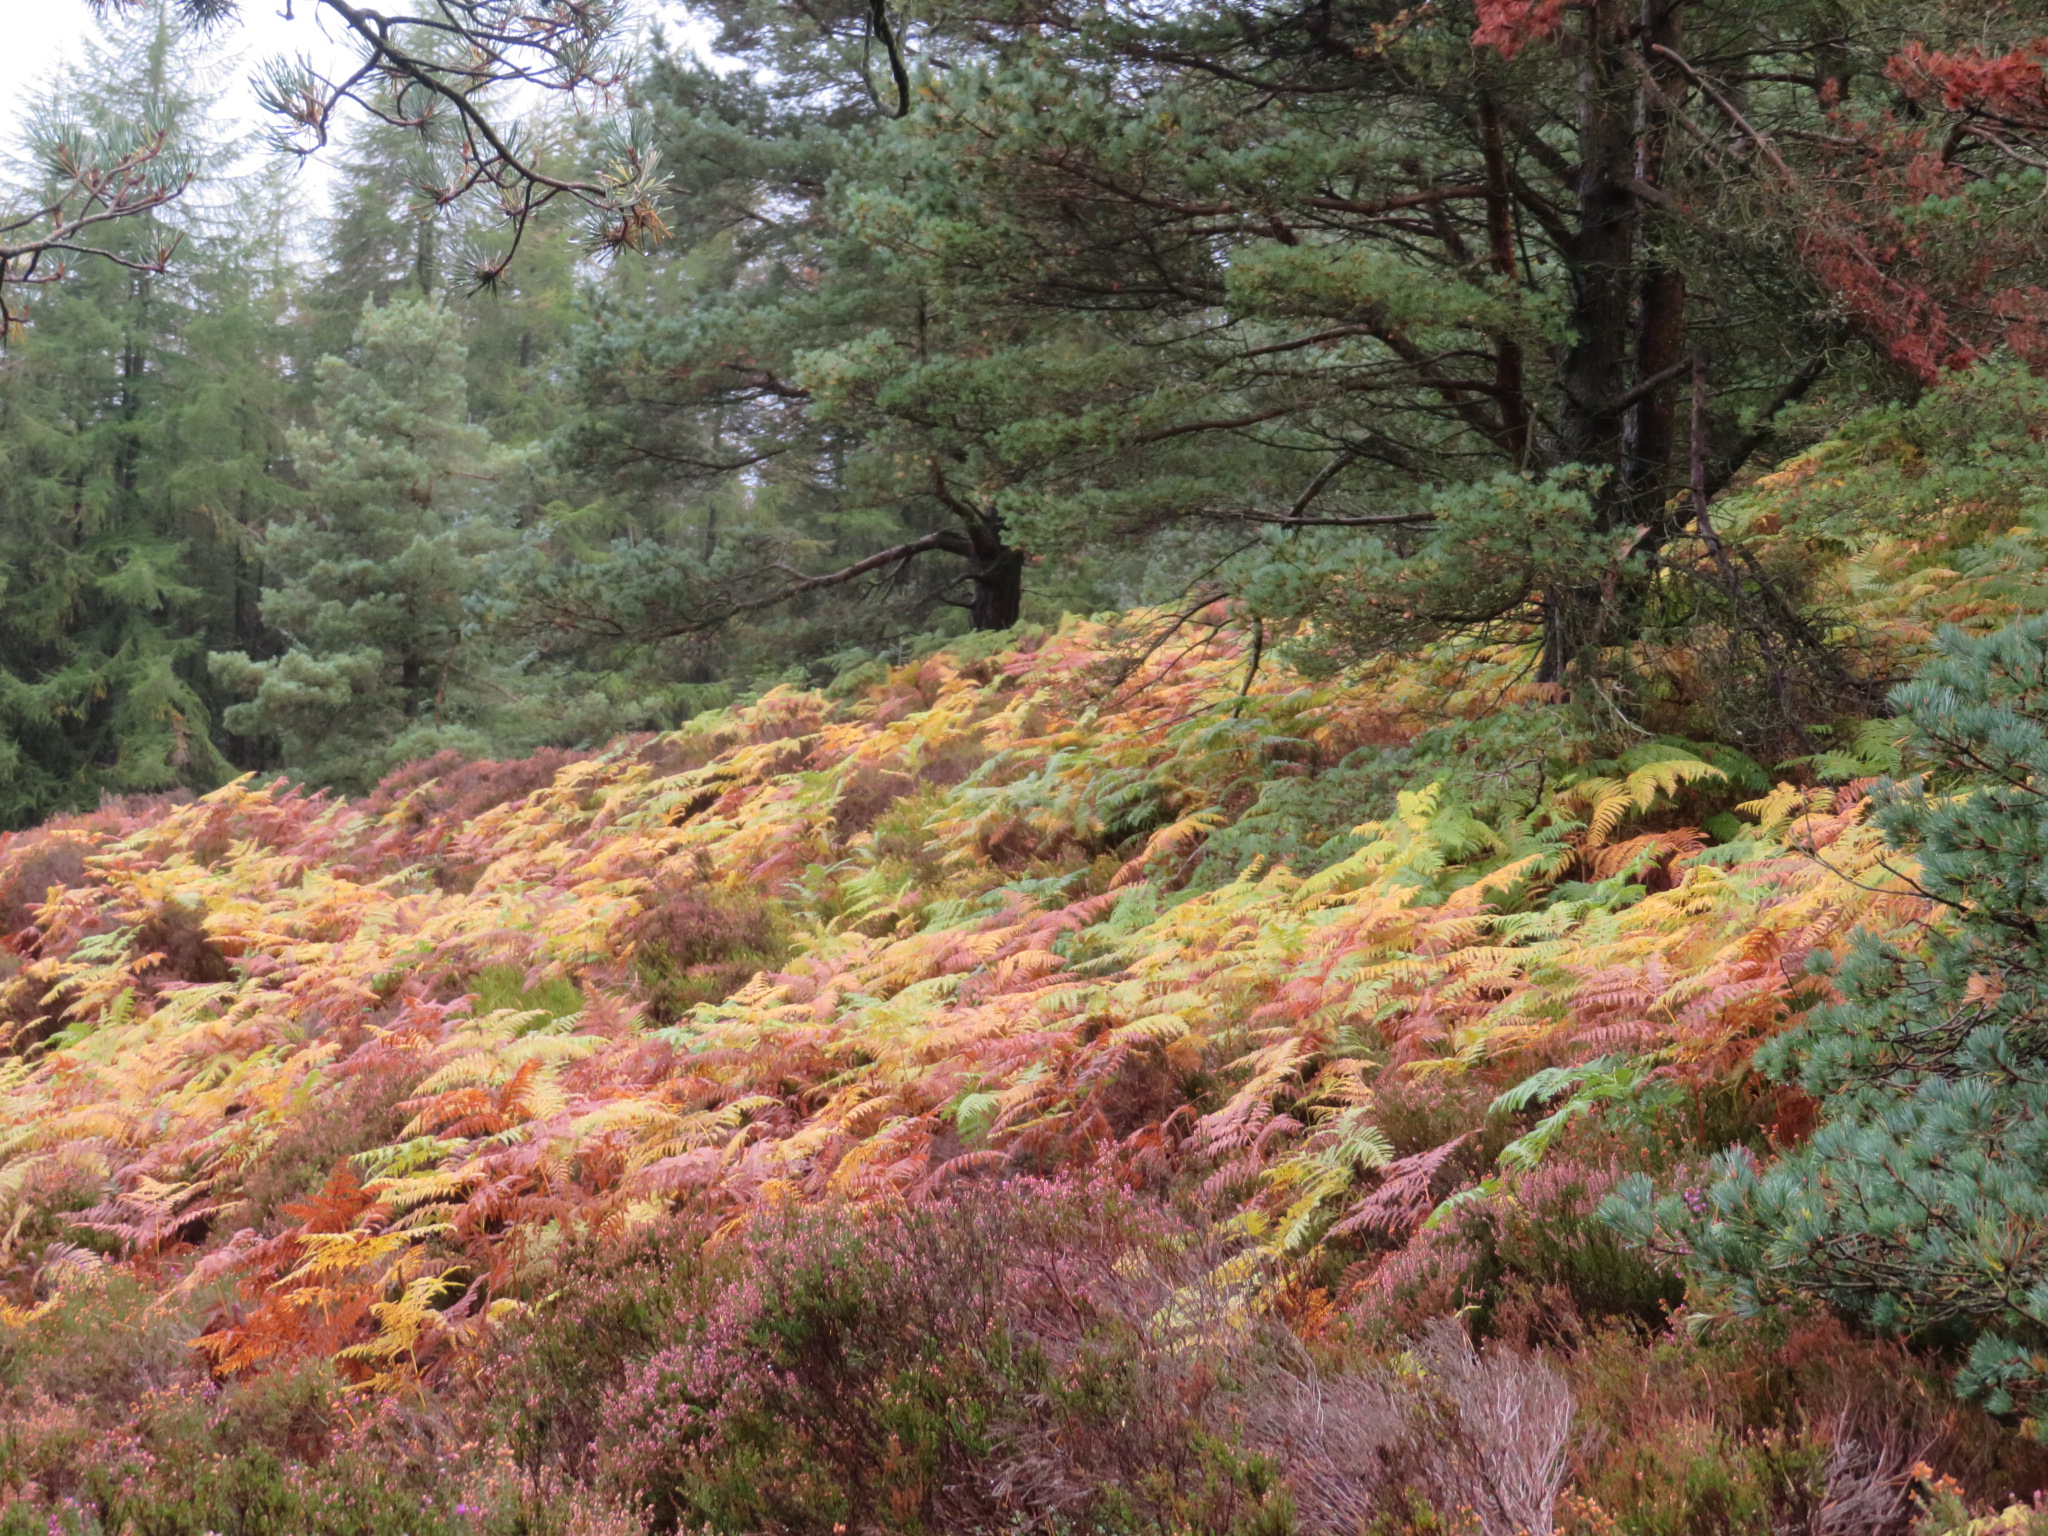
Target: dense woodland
<point>1259,767</point>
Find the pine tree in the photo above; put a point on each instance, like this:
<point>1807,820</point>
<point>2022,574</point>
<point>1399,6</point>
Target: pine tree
<point>1444,319</point>
<point>798,439</point>
<point>1920,1205</point>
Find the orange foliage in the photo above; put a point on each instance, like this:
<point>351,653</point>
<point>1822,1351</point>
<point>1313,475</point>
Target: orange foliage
<point>992,965</point>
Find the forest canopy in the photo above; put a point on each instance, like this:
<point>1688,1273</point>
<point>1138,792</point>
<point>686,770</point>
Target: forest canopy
<point>1395,324</point>
<point>893,768</point>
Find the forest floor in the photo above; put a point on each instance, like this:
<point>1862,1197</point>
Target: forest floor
<point>1101,1079</point>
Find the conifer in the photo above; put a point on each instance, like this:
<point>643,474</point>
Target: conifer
<point>368,584</point>
<point>138,423</point>
<point>1920,1205</point>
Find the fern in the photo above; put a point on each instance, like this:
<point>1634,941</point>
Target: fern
<point>1007,965</point>
<point>1604,1081</point>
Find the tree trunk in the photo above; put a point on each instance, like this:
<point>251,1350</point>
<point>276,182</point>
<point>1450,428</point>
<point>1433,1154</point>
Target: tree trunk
<point>1647,470</point>
<point>1500,240</point>
<point>1603,279</point>
<point>998,596</point>
<point>426,258</point>
<point>411,685</point>
<point>1605,318</point>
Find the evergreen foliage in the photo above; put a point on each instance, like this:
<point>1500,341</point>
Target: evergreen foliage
<point>1191,288</point>
<point>138,428</point>
<point>1920,1204</point>
<point>1253,640</point>
<point>386,238</point>
<point>372,583</point>
<point>739,378</point>
<point>1125,309</point>
<point>379,240</point>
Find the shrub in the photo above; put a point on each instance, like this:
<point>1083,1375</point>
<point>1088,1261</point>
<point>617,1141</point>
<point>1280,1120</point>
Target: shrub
<point>100,1342</point>
<point>1531,1233</point>
<point>612,1303</point>
<point>694,943</point>
<point>278,1455</point>
<point>1450,1428</point>
<point>1782,1424</point>
<point>955,1366</point>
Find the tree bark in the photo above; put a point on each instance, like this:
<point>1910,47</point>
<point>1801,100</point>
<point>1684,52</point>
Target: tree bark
<point>1597,360</point>
<point>998,597</point>
<point>1598,427</point>
<point>1500,239</point>
<point>1661,319</point>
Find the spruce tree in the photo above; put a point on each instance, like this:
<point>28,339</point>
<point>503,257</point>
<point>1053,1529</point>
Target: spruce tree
<point>385,236</point>
<point>370,585</point>
<point>138,424</point>
<point>381,238</point>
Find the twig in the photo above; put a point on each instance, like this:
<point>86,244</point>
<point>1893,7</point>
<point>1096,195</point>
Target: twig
<point>1251,671</point>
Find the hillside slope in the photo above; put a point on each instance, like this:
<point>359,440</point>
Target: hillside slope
<point>1379,985</point>
<point>963,888</point>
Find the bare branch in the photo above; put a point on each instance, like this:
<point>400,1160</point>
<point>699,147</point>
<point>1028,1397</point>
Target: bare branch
<point>94,186</point>
<point>800,583</point>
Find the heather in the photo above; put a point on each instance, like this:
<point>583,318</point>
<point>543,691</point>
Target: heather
<point>1104,1079</point>
<point>1269,768</point>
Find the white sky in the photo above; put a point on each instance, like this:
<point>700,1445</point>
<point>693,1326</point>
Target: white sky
<point>42,35</point>
<point>38,36</point>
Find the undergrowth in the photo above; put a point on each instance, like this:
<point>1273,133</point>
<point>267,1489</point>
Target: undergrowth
<point>1084,1086</point>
